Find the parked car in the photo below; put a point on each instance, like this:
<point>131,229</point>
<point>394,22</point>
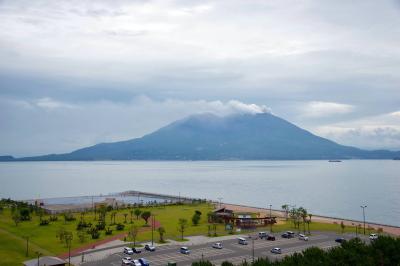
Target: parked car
<point>373,236</point>
<point>128,251</point>
<point>149,247</point>
<point>285,235</point>
<point>127,261</point>
<point>262,235</point>
<point>217,245</point>
<point>270,237</point>
<point>144,262</point>
<point>135,263</point>
<point>290,233</point>
<point>185,250</point>
<point>136,250</point>
<point>242,241</point>
<point>303,237</point>
<point>340,240</point>
<point>276,251</point>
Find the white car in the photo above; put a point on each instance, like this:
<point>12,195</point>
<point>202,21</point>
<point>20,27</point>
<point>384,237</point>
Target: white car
<point>149,247</point>
<point>128,251</point>
<point>276,251</point>
<point>242,241</point>
<point>136,263</point>
<point>127,261</point>
<point>185,250</point>
<point>373,236</point>
<point>303,237</point>
<point>217,245</point>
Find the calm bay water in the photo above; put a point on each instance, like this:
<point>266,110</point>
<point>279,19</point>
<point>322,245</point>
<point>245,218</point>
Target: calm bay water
<point>333,189</point>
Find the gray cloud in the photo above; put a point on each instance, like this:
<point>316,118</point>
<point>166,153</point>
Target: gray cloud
<point>338,58</point>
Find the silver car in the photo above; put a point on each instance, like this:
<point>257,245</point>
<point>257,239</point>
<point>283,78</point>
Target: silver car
<point>276,251</point>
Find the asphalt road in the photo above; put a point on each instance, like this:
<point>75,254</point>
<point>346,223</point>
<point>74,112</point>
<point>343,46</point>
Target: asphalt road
<point>232,251</point>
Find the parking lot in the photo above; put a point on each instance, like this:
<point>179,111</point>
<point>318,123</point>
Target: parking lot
<point>231,251</point>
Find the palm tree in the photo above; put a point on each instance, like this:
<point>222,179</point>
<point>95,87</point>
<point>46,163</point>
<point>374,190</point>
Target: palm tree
<point>303,215</point>
<point>125,214</point>
<point>131,213</point>
<point>285,208</point>
<point>342,226</point>
<point>137,213</point>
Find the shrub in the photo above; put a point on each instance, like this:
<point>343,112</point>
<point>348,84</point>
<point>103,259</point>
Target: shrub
<point>120,227</point>
<point>202,263</point>
<point>108,231</point>
<point>25,214</point>
<point>100,225</point>
<point>44,222</point>
<point>81,225</point>
<point>81,236</point>
<point>53,218</point>
<point>94,232</point>
<point>68,217</point>
<point>196,219</point>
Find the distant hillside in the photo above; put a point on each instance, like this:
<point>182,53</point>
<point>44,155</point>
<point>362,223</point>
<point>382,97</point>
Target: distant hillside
<point>210,137</point>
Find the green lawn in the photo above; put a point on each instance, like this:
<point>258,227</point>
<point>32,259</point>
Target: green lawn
<point>13,248</point>
<point>43,238</point>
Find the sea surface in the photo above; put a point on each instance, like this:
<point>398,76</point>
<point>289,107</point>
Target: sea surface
<point>325,188</point>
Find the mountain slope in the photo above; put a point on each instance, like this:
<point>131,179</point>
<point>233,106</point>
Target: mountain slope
<point>209,137</point>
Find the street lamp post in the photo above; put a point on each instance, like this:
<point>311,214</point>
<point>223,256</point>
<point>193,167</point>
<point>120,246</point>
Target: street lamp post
<point>38,257</point>
<point>252,253</point>
<point>270,218</point>
<point>27,246</point>
<point>68,239</point>
<point>152,230</point>
<point>356,229</point>
<point>220,198</point>
<point>363,208</point>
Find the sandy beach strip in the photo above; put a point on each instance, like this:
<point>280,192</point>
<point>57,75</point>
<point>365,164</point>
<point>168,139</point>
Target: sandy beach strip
<point>393,230</point>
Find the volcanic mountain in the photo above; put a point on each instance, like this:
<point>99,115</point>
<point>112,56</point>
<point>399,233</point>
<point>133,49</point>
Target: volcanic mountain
<point>262,136</point>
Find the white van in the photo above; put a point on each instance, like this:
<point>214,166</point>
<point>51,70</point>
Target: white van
<point>242,241</point>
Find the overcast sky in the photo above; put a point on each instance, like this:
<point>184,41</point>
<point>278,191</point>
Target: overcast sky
<point>76,73</point>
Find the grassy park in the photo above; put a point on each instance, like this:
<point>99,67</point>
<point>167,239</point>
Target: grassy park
<point>46,238</point>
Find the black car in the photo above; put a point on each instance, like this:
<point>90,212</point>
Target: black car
<point>340,240</point>
<point>144,262</point>
<point>287,235</point>
<point>270,237</point>
<point>135,250</point>
<point>290,233</point>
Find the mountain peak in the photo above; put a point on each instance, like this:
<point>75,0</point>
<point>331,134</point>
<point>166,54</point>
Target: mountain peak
<point>207,136</point>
